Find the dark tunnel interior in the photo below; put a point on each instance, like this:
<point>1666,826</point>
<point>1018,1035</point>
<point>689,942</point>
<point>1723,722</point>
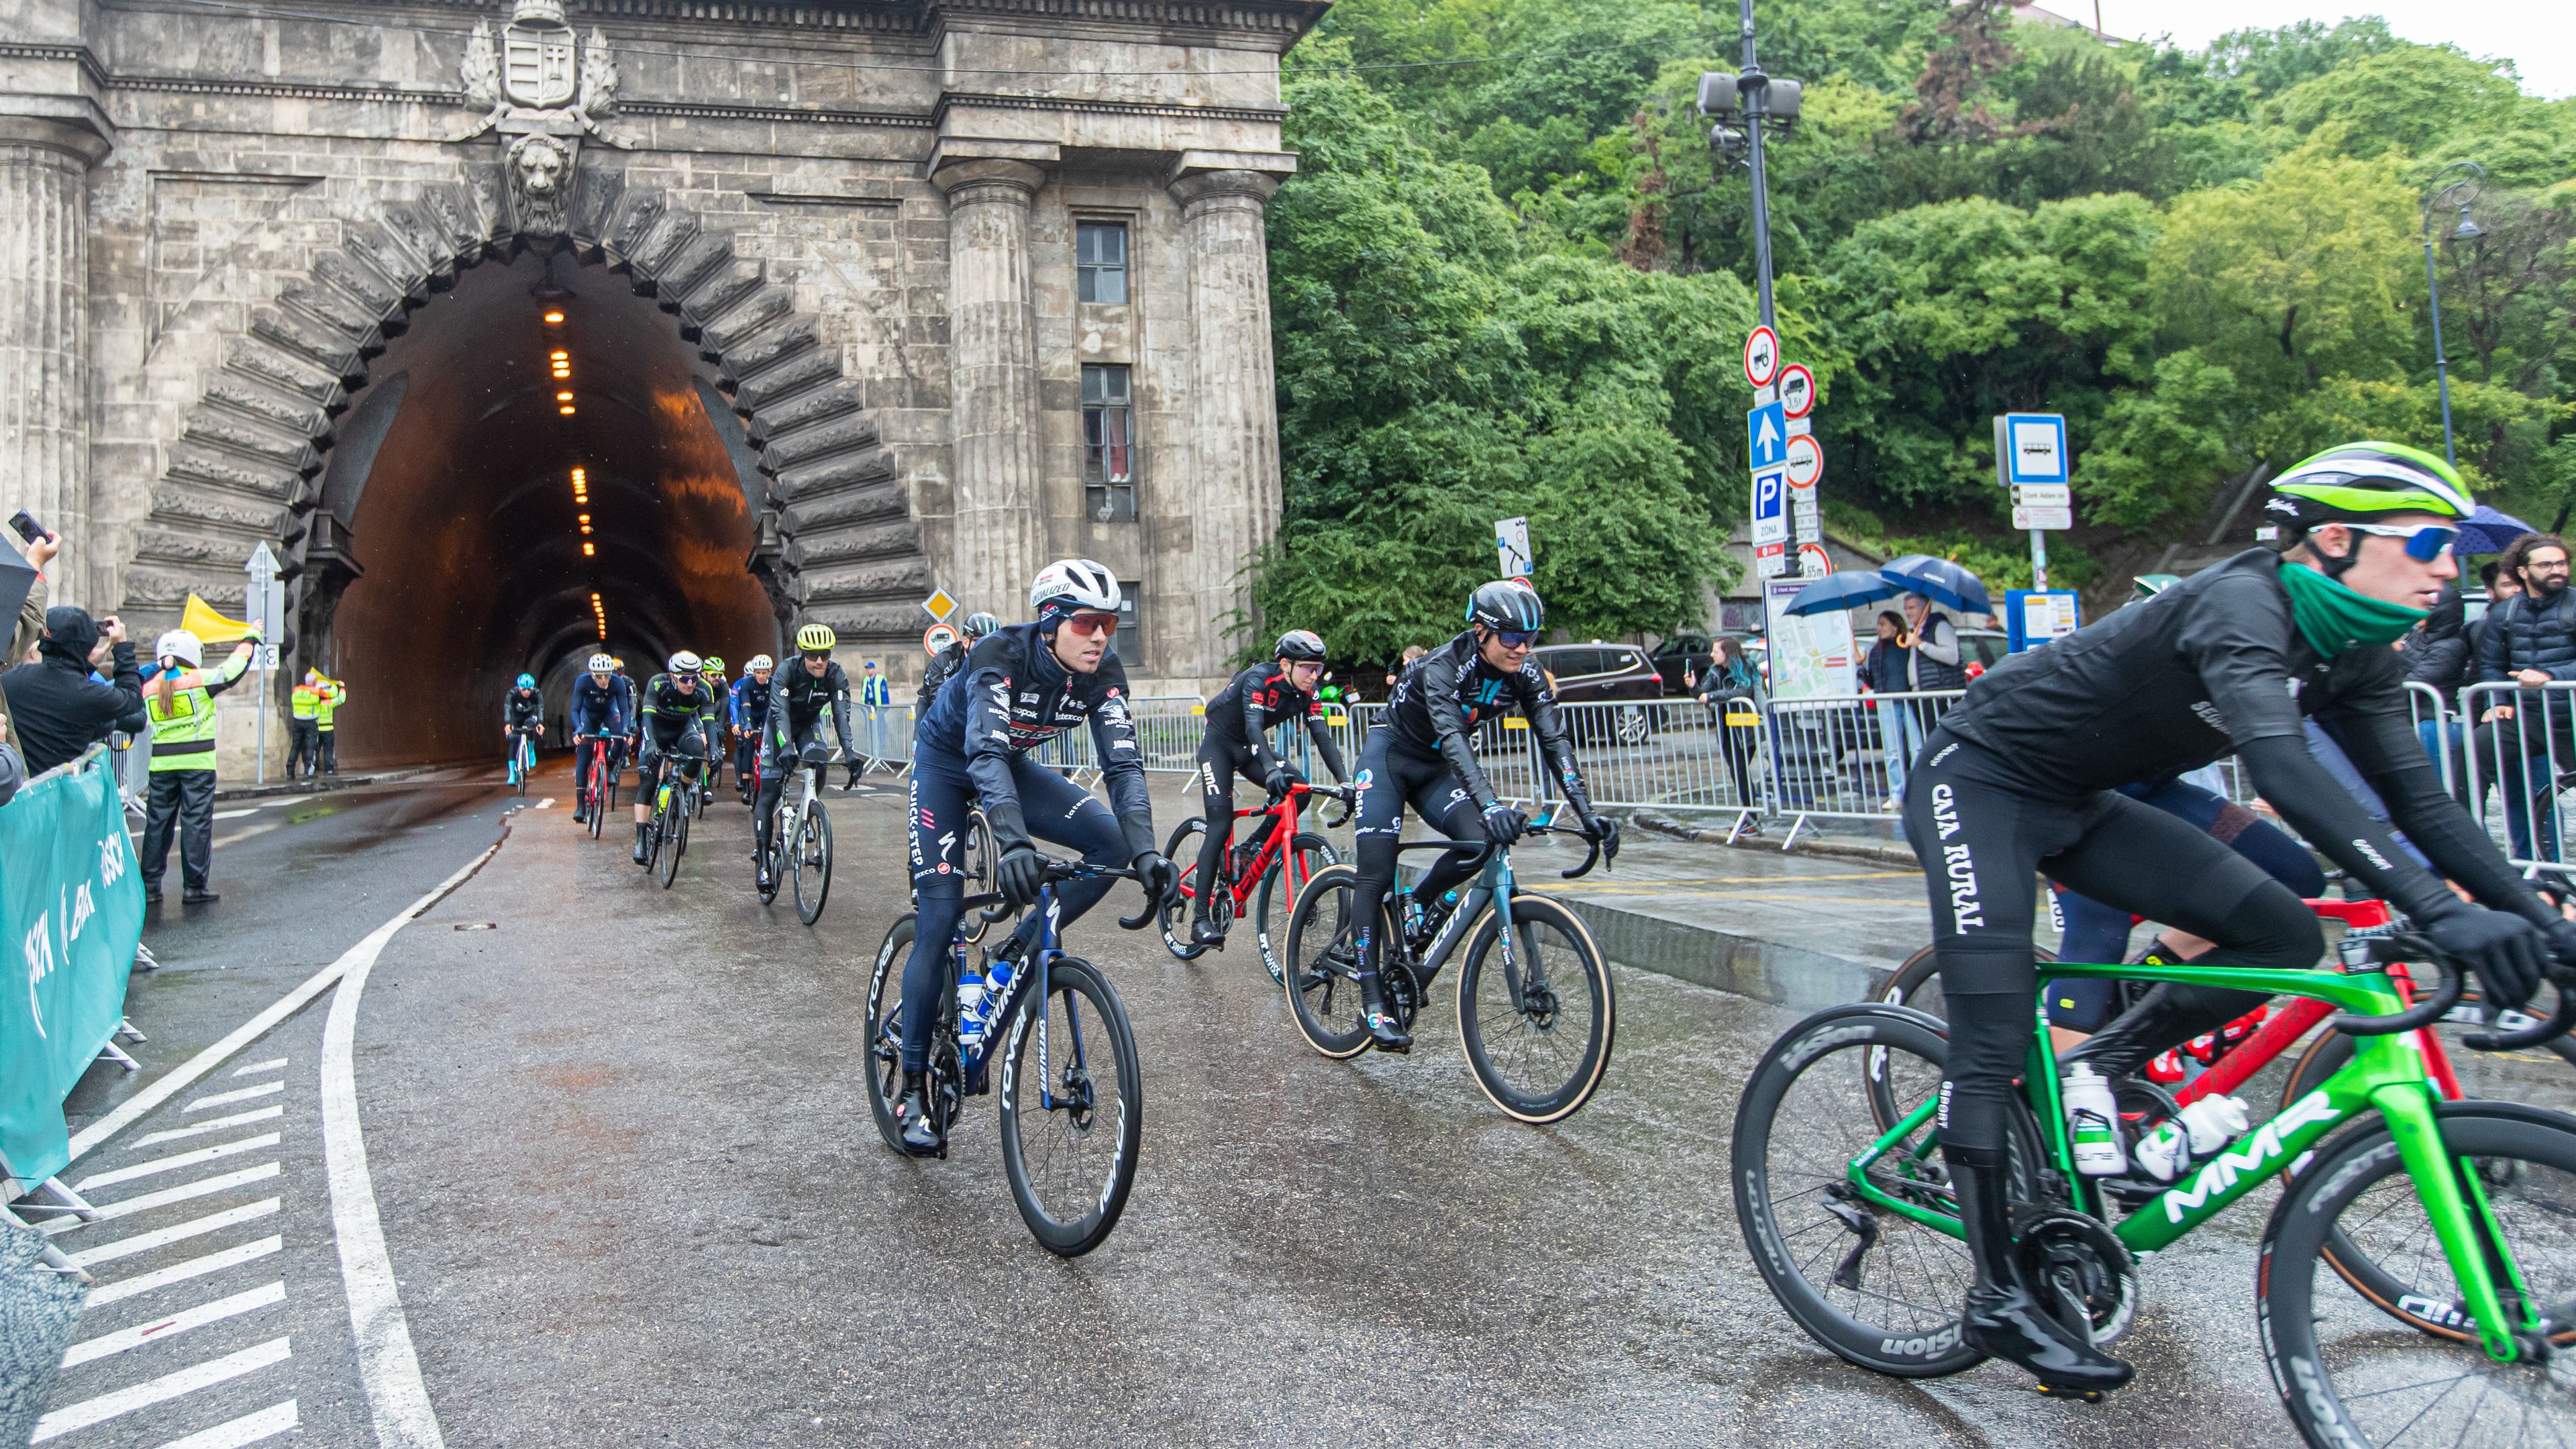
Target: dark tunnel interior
<point>480,553</point>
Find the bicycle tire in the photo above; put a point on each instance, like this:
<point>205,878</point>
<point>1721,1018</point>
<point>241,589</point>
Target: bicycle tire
<point>2519,1076</point>
<point>772,857</point>
<point>1541,1021</point>
<point>1312,853</point>
<point>1077,983</point>
<point>671,839</point>
<point>1174,915</point>
<point>2324,1369</point>
<point>884,1047</point>
<point>813,857</point>
<point>1324,978</point>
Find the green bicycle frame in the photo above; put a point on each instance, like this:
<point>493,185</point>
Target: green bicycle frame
<point>2385,1074</point>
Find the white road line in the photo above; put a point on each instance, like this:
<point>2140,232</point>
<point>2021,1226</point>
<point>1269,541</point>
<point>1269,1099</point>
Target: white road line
<point>204,1187</point>
<point>175,1161</point>
<point>254,1069</point>
<point>89,1350</point>
<point>282,803</point>
<point>238,1119</point>
<point>124,1288</point>
<point>176,1233</point>
<point>248,1429</point>
<point>246,832</point>
<point>153,1391</point>
<point>236,814</point>
<point>244,1094</point>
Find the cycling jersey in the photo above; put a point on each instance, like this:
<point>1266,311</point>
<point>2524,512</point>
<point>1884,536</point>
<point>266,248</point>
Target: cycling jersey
<point>1257,701</point>
<point>937,672</point>
<point>1442,696</point>
<point>521,709</point>
<point>1011,698</point>
<point>797,702</point>
<point>667,714</point>
<point>750,701</point>
<point>599,709</point>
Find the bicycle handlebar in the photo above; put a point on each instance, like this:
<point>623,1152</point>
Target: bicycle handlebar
<point>2550,1028</point>
<point>1484,849</point>
<point>2410,949</point>
<point>1057,872</point>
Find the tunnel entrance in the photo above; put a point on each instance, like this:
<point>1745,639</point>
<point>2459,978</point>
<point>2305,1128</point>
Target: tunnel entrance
<point>535,472</point>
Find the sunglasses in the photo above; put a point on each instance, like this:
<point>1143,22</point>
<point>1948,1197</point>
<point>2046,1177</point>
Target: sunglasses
<point>2424,543</point>
<point>1088,625</point>
<point>1515,638</point>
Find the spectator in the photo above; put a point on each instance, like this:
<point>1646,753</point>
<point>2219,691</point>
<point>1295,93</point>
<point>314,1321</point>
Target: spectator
<point>304,725</point>
<point>1411,653</point>
<point>1933,663</point>
<point>1888,669</point>
<point>57,709</point>
<point>2530,639</point>
<point>30,625</point>
<point>1733,687</point>
<point>2437,654</point>
<point>876,696</point>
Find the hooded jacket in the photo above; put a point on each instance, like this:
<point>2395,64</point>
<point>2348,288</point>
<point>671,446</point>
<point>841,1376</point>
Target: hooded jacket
<point>2437,653</point>
<point>57,709</point>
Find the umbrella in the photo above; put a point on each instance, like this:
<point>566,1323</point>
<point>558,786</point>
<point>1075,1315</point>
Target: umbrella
<point>2489,530</point>
<point>1847,590</point>
<point>17,576</point>
<point>1939,580</point>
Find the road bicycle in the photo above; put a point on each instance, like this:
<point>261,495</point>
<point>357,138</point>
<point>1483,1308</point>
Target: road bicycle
<point>674,805</point>
<point>523,759</point>
<point>800,839</point>
<point>2462,1208</point>
<point>1535,1011</point>
<point>600,794</point>
<point>1070,1149</point>
<point>1268,871</point>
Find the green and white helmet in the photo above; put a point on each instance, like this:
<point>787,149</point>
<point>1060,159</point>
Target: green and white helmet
<point>2360,482</point>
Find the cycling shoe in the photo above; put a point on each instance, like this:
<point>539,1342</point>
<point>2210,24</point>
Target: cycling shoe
<point>2010,1324</point>
<point>921,1136</point>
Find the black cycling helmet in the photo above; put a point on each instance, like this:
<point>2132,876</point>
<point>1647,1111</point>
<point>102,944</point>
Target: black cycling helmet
<point>1301,646</point>
<point>980,624</point>
<point>1507,604</point>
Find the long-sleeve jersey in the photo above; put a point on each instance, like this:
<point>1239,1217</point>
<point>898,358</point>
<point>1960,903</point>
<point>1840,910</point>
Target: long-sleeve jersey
<point>667,713</point>
<point>1012,697</point>
<point>603,709</point>
<point>521,708</point>
<point>1257,701</point>
<point>1442,696</point>
<point>750,701</point>
<point>799,698</point>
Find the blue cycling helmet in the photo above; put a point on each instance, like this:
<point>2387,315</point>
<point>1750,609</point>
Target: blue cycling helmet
<point>527,681</point>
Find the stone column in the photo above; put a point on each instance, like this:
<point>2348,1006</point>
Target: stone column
<point>993,388</point>
<point>44,328</point>
<point>1234,418</point>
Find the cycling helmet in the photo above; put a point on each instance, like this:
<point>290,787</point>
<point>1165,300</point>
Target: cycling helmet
<point>2150,585</point>
<point>1070,584</point>
<point>979,624</point>
<point>758,663</point>
<point>187,648</point>
<point>2359,482</point>
<point>712,664</point>
<point>527,681</point>
<point>816,639</point>
<point>684,662</point>
<point>1303,646</point>
<point>1506,604</point>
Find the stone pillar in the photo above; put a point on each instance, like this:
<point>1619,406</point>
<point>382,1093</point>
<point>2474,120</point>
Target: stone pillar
<point>993,372</point>
<point>1234,419</point>
<point>44,329</point>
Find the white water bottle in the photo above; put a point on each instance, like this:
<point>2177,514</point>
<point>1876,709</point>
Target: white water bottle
<point>2093,1122</point>
<point>970,1007</point>
<point>2163,1151</point>
<point>2214,1122</point>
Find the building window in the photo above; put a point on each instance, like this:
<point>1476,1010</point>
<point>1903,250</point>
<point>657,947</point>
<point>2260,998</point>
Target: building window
<point>1100,262</point>
<point>1108,459</point>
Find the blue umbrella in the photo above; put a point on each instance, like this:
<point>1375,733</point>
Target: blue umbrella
<point>1939,580</point>
<point>2489,530</point>
<point>1847,590</point>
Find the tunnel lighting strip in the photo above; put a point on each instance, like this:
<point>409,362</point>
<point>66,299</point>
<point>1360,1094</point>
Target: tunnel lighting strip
<point>561,364</point>
<point>599,612</point>
<point>581,501</point>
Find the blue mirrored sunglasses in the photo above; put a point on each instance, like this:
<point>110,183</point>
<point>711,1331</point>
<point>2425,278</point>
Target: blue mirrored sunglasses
<point>1515,638</point>
<point>2424,543</point>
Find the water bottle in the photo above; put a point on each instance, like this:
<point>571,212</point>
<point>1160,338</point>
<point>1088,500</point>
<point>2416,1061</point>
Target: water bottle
<point>2162,1152</point>
<point>2214,1122</point>
<point>997,979</point>
<point>970,1008</point>
<point>2093,1122</point>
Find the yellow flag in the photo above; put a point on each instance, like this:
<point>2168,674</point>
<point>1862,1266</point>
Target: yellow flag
<point>210,627</point>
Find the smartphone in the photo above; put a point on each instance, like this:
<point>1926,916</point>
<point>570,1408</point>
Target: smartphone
<point>27,526</point>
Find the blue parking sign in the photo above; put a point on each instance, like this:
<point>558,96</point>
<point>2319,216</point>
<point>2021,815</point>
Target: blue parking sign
<point>1766,436</point>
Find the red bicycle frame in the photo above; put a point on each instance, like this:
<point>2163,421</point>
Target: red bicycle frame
<point>1282,815</point>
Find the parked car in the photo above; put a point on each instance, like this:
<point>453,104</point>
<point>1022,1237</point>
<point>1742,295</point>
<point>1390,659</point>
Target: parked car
<point>1982,649</point>
<point>1682,658</point>
<point>1599,673</point>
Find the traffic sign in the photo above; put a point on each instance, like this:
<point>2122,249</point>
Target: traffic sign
<point>1766,436</point>
<point>1813,561</point>
<point>1512,543</point>
<point>1803,515</point>
<point>1769,560</point>
<point>1805,461</point>
<point>2031,448</point>
<point>262,564</point>
<point>939,605</point>
<point>1770,510</point>
<point>1761,356</point>
<point>2033,518</point>
<point>2043,495</point>
<point>936,638</point>
<point>1797,389</point>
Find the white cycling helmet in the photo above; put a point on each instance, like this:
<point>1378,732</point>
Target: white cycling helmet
<point>684,662</point>
<point>1073,583</point>
<point>603,664</point>
<point>758,663</point>
<point>189,649</point>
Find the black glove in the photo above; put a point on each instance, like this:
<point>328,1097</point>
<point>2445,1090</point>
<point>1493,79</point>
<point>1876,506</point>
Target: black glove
<point>1604,832</point>
<point>1503,824</point>
<point>2561,936</point>
<point>1162,882</point>
<point>1280,778</point>
<point>851,780</point>
<point>1018,875</point>
<point>2507,953</point>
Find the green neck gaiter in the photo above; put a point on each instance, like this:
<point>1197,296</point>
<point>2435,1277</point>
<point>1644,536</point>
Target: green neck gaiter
<point>2333,618</point>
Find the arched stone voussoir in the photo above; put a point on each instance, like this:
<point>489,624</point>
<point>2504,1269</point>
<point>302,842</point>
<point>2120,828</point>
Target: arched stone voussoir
<point>837,398</point>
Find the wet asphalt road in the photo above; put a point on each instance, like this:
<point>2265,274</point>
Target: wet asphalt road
<point>622,1151</point>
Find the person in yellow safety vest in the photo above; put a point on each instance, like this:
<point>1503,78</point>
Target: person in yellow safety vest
<point>334,694</point>
<point>304,705</point>
<point>181,702</point>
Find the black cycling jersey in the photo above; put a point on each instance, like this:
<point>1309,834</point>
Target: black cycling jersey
<point>942,666</point>
<point>1442,696</point>
<point>667,714</point>
<point>1012,697</point>
<point>522,708</point>
<point>798,698</point>
<point>1257,701</point>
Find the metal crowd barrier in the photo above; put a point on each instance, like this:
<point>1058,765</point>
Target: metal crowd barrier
<point>2519,749</point>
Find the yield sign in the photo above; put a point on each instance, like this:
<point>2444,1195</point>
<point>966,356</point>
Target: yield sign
<point>1766,436</point>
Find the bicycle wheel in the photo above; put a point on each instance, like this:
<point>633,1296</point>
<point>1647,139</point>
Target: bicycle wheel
<point>1281,887</point>
<point>671,836</point>
<point>810,859</point>
<point>885,1032</point>
<point>1538,1051</point>
<point>1073,1109</point>
<point>2538,1076</point>
<point>773,857</point>
<point>1879,1289</point>
<point>2345,1379</point>
<point>1174,915</point>
<point>598,797</point>
<point>1322,978</point>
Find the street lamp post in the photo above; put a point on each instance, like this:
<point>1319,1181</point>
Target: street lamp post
<point>2454,194</point>
<point>1757,100</point>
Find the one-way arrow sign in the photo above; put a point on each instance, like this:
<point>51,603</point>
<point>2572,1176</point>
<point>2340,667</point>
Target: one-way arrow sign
<point>1766,436</point>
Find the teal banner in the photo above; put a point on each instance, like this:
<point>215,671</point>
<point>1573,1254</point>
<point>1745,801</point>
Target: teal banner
<point>71,914</point>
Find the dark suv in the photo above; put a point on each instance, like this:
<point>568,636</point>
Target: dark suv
<point>1599,673</point>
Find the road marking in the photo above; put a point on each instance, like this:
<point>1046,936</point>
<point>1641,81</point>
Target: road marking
<point>248,1429</point>
<point>206,1187</point>
<point>124,1288</point>
<point>175,1161</point>
<point>264,1089</point>
<point>282,803</point>
<point>235,814</point>
<point>177,1232</point>
<point>90,1350</point>
<point>246,832</point>
<point>273,1064</point>
<point>181,1134</point>
<point>169,1386</point>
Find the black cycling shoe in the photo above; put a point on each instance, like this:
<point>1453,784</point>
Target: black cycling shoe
<point>1204,931</point>
<point>920,1136</point>
<point>2002,1317</point>
<point>643,852</point>
<point>581,815</point>
<point>1386,1033</point>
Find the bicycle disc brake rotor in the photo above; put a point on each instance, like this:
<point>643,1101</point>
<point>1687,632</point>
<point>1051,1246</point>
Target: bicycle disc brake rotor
<point>2077,1267</point>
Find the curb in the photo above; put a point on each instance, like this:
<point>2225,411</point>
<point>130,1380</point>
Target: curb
<point>1897,856</point>
<point>1750,966</point>
<point>297,787</point>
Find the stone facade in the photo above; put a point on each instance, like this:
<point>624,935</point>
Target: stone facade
<point>862,213</point>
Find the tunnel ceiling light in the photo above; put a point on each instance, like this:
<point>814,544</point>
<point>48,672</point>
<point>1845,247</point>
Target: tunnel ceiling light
<point>563,397</point>
<point>554,319</point>
<point>559,354</point>
<point>566,410</point>
<point>589,550</point>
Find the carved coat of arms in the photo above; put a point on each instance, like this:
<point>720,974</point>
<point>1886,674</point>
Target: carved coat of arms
<point>544,90</point>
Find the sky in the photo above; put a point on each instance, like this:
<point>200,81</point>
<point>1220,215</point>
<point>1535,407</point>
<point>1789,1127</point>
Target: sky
<point>2538,36</point>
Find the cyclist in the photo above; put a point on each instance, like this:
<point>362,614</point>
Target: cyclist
<point>603,707</point>
<point>1424,752</point>
<point>949,660</point>
<point>2021,778</point>
<point>711,673</point>
<point>1237,742</point>
<point>672,719</point>
<point>1022,686</point>
<point>790,726</point>
<point>522,713</point>
<point>748,701</point>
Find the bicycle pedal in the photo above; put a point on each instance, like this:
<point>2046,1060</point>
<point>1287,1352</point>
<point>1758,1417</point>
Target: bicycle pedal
<point>2081,1396</point>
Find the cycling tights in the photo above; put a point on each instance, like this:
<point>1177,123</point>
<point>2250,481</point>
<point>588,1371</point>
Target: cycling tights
<point>1390,775</point>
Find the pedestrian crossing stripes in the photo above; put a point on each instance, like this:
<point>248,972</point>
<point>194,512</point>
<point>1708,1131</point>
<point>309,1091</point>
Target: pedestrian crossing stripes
<point>153,1391</point>
<point>220,1099</point>
<point>203,1129</point>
